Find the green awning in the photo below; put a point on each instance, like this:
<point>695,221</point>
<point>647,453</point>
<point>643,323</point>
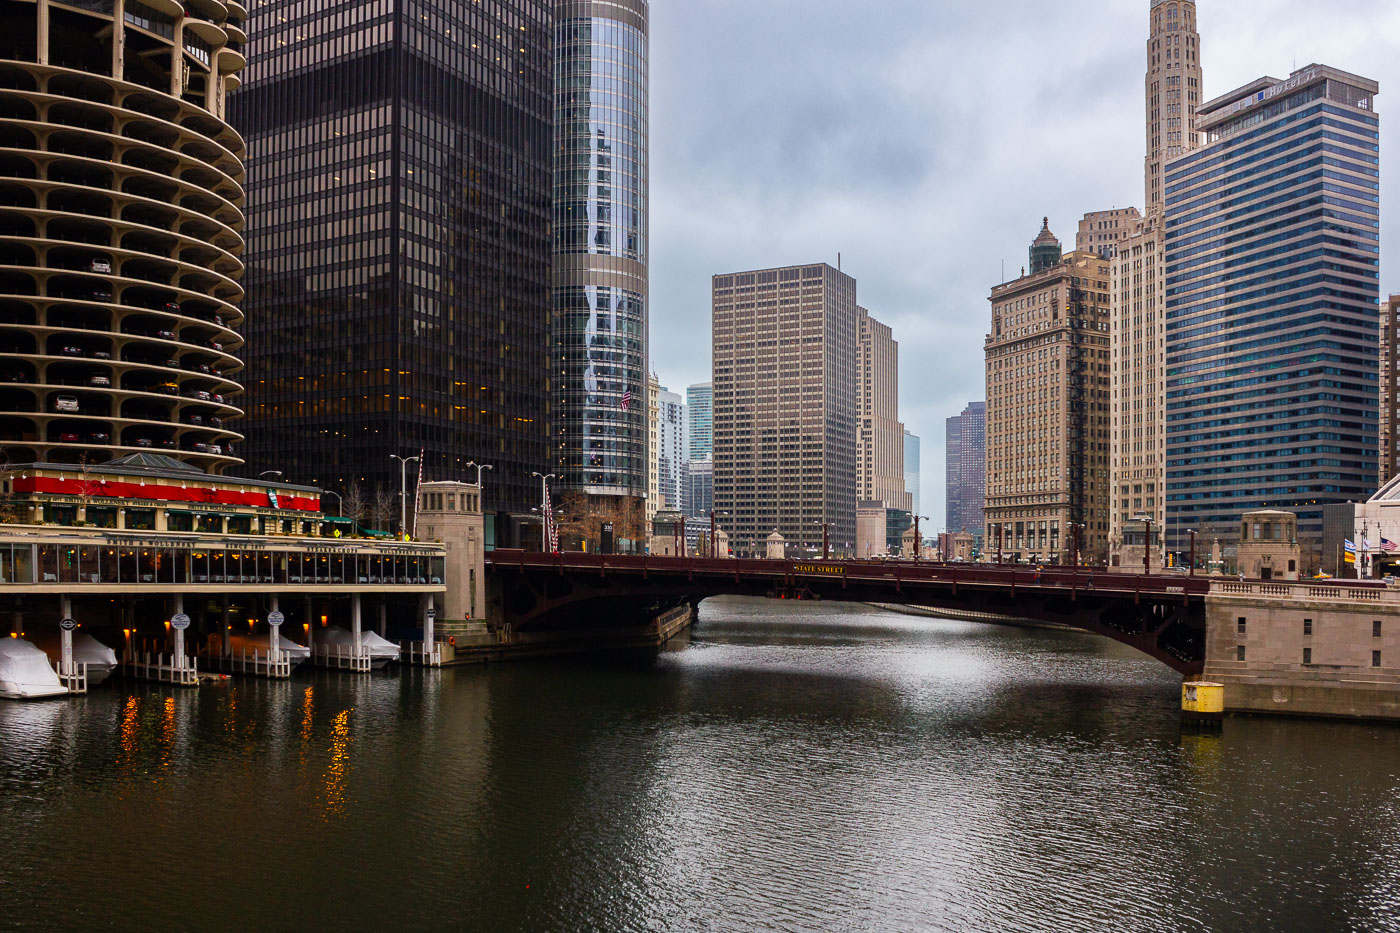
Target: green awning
<point>336,520</point>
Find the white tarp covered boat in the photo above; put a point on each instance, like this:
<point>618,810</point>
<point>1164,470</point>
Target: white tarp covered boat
<point>258,642</point>
<point>101,661</point>
<point>380,650</point>
<point>25,672</point>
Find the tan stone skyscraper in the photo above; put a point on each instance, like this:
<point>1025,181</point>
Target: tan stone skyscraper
<point>1047,408</point>
<point>785,406</point>
<point>880,440</point>
<point>1173,91</point>
<point>1137,322</point>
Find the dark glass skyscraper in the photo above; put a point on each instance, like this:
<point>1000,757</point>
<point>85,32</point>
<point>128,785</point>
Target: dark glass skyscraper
<point>600,246</point>
<point>399,240</point>
<point>1272,265</point>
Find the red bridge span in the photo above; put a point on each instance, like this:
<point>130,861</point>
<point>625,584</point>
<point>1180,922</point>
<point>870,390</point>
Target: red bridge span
<point>1161,615</point>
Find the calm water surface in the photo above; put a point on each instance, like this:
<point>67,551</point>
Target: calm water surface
<point>784,768</point>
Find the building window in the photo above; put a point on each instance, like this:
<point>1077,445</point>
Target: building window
<point>1239,653</point>
<point>1240,626</point>
<point>1307,626</point>
<point>1307,655</point>
<point>1376,629</point>
<point>1375,659</point>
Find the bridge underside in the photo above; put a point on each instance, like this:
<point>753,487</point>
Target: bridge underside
<point>1168,627</point>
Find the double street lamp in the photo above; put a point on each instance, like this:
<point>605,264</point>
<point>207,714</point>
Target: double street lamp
<point>403,491</point>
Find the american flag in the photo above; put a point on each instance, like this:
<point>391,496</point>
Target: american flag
<point>1389,545</point>
<point>627,400</point>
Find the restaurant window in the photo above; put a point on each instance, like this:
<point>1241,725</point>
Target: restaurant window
<point>141,519</point>
<point>209,524</point>
<point>102,516</point>
<point>60,514</point>
<point>179,521</point>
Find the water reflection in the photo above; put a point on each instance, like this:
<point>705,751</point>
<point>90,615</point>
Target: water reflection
<point>782,768</point>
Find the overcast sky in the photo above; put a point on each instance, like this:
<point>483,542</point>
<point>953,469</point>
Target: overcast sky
<point>924,140</point>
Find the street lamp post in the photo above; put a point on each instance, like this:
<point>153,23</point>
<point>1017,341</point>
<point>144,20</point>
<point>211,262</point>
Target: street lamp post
<point>826,538</point>
<point>1146,543</point>
<point>269,473</point>
<point>918,537</point>
<point>339,502</point>
<point>479,468</point>
<point>1192,533</point>
<point>1075,528</point>
<point>1000,528</point>
<point>545,517</point>
<point>403,492</point>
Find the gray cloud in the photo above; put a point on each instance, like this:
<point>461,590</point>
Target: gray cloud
<point>924,141</point>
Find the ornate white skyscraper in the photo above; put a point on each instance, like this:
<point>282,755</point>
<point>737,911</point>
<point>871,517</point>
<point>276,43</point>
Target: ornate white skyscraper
<point>1173,90</point>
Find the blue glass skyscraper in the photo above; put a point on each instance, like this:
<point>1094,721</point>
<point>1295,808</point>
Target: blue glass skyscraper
<point>600,250</point>
<point>1272,266</point>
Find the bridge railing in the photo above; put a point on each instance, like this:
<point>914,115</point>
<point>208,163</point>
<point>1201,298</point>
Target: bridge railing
<point>1010,576</point>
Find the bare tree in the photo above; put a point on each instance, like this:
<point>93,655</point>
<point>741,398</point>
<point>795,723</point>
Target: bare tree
<point>384,506</point>
<point>10,512</point>
<point>355,503</point>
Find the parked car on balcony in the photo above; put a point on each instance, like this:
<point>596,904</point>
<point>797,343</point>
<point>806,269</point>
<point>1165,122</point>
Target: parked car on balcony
<point>99,379</point>
<point>168,388</point>
<point>100,294</point>
<point>215,421</point>
<point>199,447</point>
<point>168,445</point>
<point>216,450</point>
<point>101,355</point>
<point>142,442</point>
<point>194,419</point>
<point>165,334</point>
<point>66,403</point>
<point>199,394</point>
<point>99,264</point>
<point>70,351</point>
<point>68,437</point>
<point>172,306</point>
<point>14,375</point>
<point>99,437</point>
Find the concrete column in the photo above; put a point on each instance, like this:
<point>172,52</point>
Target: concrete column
<point>119,39</point>
<point>355,623</point>
<point>383,618</point>
<point>65,611</point>
<point>177,61</point>
<point>311,623</point>
<point>224,628</point>
<point>274,636</point>
<point>179,659</point>
<point>428,613</point>
<point>42,39</point>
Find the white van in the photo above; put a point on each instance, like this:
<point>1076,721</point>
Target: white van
<point>66,403</point>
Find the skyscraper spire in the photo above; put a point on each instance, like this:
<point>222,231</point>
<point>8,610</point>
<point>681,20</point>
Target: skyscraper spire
<point>1173,90</point>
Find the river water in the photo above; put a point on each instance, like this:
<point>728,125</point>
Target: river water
<point>784,767</point>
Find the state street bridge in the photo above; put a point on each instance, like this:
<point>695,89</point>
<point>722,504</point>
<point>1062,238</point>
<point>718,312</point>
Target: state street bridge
<point>1163,616</point>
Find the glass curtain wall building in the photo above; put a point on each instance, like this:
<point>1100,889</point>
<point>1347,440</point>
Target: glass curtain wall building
<point>600,249</point>
<point>1272,260</point>
<point>700,420</point>
<point>399,240</point>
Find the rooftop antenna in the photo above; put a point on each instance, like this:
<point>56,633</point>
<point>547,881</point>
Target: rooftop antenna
<point>838,262</point>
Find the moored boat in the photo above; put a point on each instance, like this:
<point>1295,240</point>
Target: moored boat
<point>380,651</point>
<point>25,672</point>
